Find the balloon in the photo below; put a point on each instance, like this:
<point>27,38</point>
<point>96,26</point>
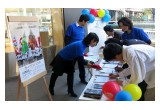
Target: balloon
<point>92,18</point>
<point>93,12</point>
<point>101,13</point>
<point>123,96</point>
<point>106,12</point>
<point>106,18</point>
<point>134,90</point>
<point>85,11</point>
<point>110,89</point>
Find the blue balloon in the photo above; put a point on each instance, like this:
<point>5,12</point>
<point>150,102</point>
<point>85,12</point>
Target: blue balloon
<point>85,11</point>
<point>123,96</point>
<point>106,18</point>
<point>92,18</point>
<point>106,12</point>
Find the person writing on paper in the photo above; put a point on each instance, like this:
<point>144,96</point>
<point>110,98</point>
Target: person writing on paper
<point>120,71</point>
<point>124,42</point>
<point>76,32</point>
<point>64,61</point>
<point>131,32</point>
<point>141,61</point>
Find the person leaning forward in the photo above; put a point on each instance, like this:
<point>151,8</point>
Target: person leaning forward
<point>111,32</point>
<point>141,61</point>
<point>64,61</point>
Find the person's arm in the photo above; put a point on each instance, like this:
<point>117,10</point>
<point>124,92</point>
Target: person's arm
<point>67,38</point>
<point>149,42</point>
<point>118,69</point>
<point>85,62</point>
<point>124,73</point>
<point>113,76</point>
<point>136,67</point>
<point>144,36</point>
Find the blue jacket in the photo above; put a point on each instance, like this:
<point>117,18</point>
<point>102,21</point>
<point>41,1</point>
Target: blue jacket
<point>73,50</point>
<point>136,33</point>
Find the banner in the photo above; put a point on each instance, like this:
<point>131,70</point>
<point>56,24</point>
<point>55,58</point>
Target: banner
<point>26,41</point>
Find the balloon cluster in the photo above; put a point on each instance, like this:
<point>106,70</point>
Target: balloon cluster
<point>112,91</point>
<point>104,14</point>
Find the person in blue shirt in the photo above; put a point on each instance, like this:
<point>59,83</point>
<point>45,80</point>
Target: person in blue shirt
<point>131,32</point>
<point>64,61</point>
<point>76,32</point>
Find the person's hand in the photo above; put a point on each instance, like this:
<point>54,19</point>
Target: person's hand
<point>119,82</point>
<point>118,69</point>
<point>102,47</point>
<point>96,66</point>
<point>113,76</point>
<point>89,64</point>
<point>86,55</point>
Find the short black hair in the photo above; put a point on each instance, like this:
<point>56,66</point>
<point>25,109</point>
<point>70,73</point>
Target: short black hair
<point>114,40</point>
<point>91,36</point>
<point>108,28</point>
<point>111,50</point>
<point>84,17</point>
<point>126,22</point>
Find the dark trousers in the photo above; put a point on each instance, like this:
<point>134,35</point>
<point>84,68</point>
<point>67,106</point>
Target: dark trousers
<point>80,61</point>
<point>54,77</point>
<point>143,86</point>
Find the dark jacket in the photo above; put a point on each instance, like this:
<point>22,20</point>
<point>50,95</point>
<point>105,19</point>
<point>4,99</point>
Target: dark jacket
<point>118,35</point>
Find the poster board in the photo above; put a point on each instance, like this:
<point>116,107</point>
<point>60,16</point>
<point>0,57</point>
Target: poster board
<point>24,33</point>
<point>97,27</point>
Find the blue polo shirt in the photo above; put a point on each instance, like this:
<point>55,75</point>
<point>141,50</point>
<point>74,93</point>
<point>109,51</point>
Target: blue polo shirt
<point>72,50</point>
<point>136,33</point>
<point>75,32</point>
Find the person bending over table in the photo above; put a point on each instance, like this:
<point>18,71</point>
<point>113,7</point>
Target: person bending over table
<point>111,32</point>
<point>124,42</point>
<point>64,61</point>
<point>141,61</point>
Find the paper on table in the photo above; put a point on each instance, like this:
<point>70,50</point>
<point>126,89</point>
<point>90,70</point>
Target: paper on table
<point>112,62</point>
<point>112,66</point>
<point>107,70</point>
<point>101,79</point>
<point>94,58</point>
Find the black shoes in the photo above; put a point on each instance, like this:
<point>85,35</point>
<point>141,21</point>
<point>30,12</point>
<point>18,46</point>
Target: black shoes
<point>72,94</point>
<point>51,91</point>
<point>69,93</point>
<point>84,82</point>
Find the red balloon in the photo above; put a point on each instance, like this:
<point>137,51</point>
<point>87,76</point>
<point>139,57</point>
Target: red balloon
<point>110,89</point>
<point>94,12</point>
